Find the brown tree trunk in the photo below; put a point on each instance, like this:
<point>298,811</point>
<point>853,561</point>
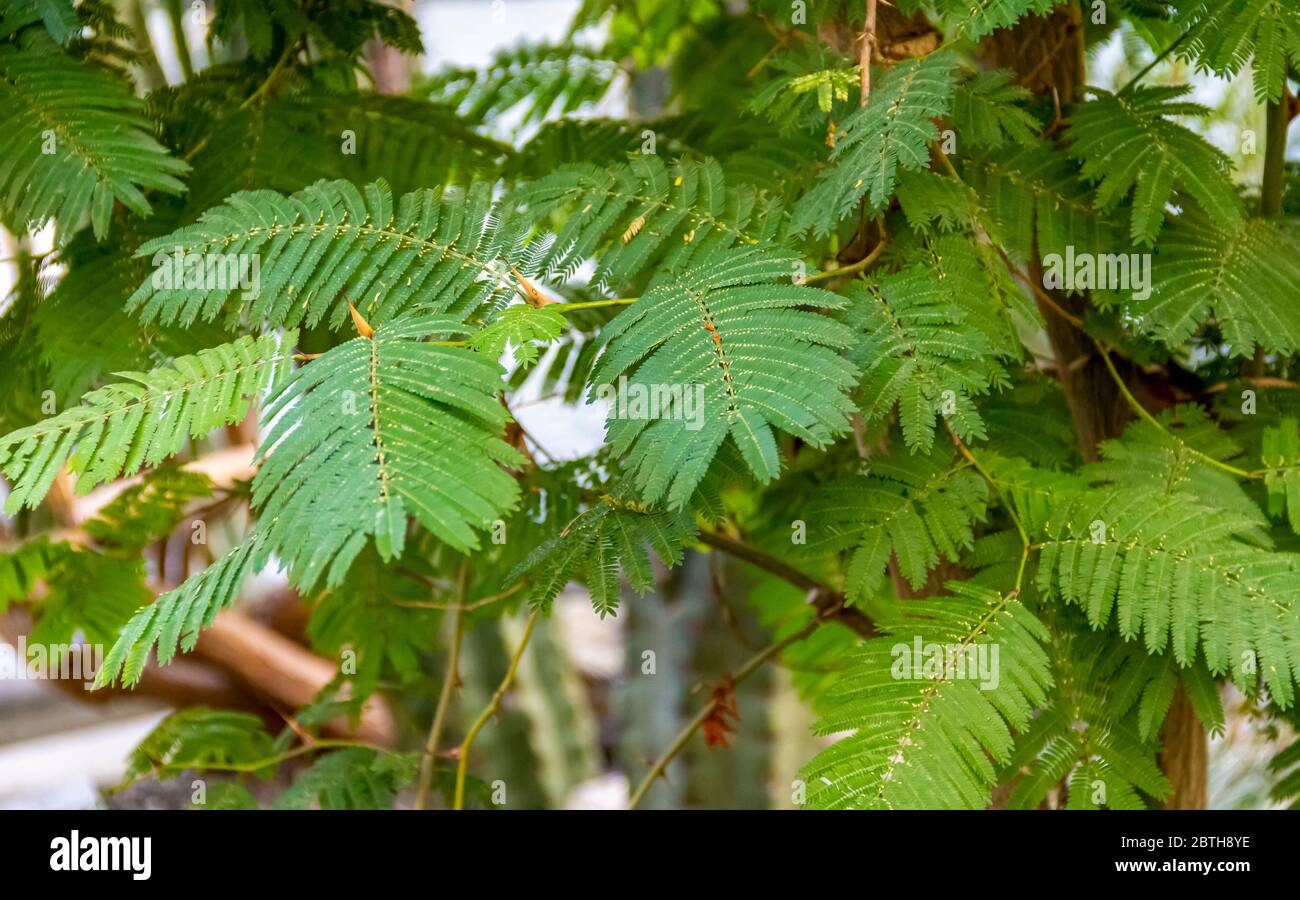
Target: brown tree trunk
<point>1047,54</point>
<point>1185,758</point>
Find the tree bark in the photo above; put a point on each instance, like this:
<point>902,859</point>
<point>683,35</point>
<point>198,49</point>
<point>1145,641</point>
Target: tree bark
<point>1185,759</point>
<point>1047,55</point>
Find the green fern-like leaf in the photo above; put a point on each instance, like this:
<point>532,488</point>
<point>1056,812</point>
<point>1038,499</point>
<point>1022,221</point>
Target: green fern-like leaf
<point>645,216</point>
<point>609,537</point>
<point>1284,766</point>
<point>373,429</point>
<point>90,593</point>
<point>83,332</point>
<point>746,356</point>
<point>1085,734</point>
<point>921,354</point>
<point>197,738</point>
<point>523,327</point>
<point>1227,34</point>
<point>987,111</point>
<point>176,617</point>
<point>539,77</point>
<point>976,18</point>
<point>352,778</point>
<point>58,17</point>
<point>1129,146</point>
<point>294,140</point>
<point>123,427</point>
<point>1035,201</point>
<point>928,728</point>
<point>1243,276</point>
<point>914,507</point>
<point>331,244</point>
<point>338,28</point>
<point>891,133</point>
<point>1281,456</point>
<point>1175,458</point>
<point>21,567</point>
<point>74,141</point>
<point>151,510</point>
<point>1168,569</point>
<point>366,613</point>
<point>977,283</point>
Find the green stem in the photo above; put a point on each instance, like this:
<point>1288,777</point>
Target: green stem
<point>259,765</point>
<point>462,767</point>
<point>683,737</point>
<point>449,680</point>
<point>1160,57</point>
<point>566,308</point>
<point>175,13</point>
<point>271,76</point>
<point>1141,411</point>
<point>993,483</point>
<point>1277,118</point>
<point>852,268</point>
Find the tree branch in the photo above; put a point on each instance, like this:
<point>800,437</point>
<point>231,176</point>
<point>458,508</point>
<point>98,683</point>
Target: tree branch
<point>868,45</point>
<point>462,766</point>
<point>449,683</point>
<point>738,675</point>
<point>828,601</point>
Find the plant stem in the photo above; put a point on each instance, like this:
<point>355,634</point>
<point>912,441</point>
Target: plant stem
<point>1159,58</point>
<point>271,76</point>
<point>746,669</point>
<point>565,308</point>
<point>1141,411</point>
<point>462,767</point>
<point>868,42</point>
<point>1038,292</point>
<point>176,15</point>
<point>829,602</point>
<point>449,681</point>
<point>853,268</point>
<point>1277,118</point>
<point>258,765</point>
<point>465,607</point>
<point>993,483</point>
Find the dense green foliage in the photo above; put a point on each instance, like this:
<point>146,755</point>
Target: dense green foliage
<point>842,309</point>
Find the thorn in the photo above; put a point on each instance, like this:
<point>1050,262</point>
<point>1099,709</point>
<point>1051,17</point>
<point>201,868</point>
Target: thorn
<point>532,296</point>
<point>363,327</point>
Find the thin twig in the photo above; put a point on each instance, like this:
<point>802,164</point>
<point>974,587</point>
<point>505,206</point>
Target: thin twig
<point>1142,411</point>
<point>748,668</point>
<point>1159,58</point>
<point>860,265</point>
<point>462,767</point>
<point>271,76</point>
<point>829,602</point>
<point>260,764</point>
<point>993,483</point>
<point>1038,292</point>
<point>565,308</point>
<point>464,607</point>
<point>449,680</point>
<point>868,44</point>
